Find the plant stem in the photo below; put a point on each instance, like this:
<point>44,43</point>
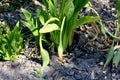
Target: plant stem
<point>40,42</point>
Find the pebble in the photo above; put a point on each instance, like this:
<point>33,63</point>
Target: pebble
<point>101,63</point>
<point>113,74</point>
<point>104,72</point>
<point>113,9</point>
<point>105,77</point>
<point>92,76</point>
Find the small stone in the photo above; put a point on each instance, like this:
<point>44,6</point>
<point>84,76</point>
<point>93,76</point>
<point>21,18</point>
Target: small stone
<point>113,74</point>
<point>77,76</point>
<point>113,9</point>
<point>101,63</point>
<point>105,77</point>
<point>92,76</point>
<point>86,35</point>
<point>104,72</point>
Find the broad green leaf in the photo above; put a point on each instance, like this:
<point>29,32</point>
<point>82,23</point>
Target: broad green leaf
<point>116,58</point>
<point>69,9</point>
<point>45,57</point>
<point>42,19</point>
<point>79,4</point>
<point>49,28</point>
<point>27,14</point>
<point>85,19</point>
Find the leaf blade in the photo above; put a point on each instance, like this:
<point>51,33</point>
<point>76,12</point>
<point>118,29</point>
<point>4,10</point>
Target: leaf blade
<point>116,59</point>
<point>49,28</point>
<point>84,20</point>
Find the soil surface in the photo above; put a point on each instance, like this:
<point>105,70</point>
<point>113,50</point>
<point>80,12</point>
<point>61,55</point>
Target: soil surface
<point>83,62</point>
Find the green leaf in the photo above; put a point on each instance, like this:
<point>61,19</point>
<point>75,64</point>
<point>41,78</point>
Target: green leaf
<point>1,52</point>
<point>45,57</point>
<point>85,19</point>
<point>30,22</point>
<point>31,27</point>
<point>52,8</point>
<point>69,9</point>
<point>118,10</point>
<point>43,15</point>
<point>79,4</point>
<point>60,47</point>
<point>116,58</point>
<point>27,14</point>
<point>62,7</point>
<point>11,44</point>
<point>42,19</point>
<point>44,53</point>
<point>49,28</point>
<point>45,3</point>
<point>110,55</point>
<point>55,2</point>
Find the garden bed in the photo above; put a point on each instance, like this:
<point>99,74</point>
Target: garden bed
<point>83,62</point>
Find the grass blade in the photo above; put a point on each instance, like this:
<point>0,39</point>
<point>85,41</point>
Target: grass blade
<point>85,19</point>
<point>116,58</point>
<point>110,55</point>
<point>27,14</point>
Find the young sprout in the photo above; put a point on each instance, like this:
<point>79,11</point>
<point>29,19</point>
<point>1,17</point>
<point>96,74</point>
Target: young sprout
<point>60,47</point>
<point>110,55</point>
<point>116,59</point>
<point>44,54</point>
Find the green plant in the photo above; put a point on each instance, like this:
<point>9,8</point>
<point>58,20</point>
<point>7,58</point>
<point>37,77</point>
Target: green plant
<point>112,55</point>
<point>32,24</point>
<point>102,28</point>
<point>60,23</point>
<point>11,42</point>
<point>69,9</point>
<point>38,72</point>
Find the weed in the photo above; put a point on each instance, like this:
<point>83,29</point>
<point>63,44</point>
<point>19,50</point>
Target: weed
<point>11,42</point>
<point>112,55</point>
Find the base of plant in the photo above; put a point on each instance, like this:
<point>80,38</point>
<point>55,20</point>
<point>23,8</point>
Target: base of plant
<point>62,60</point>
